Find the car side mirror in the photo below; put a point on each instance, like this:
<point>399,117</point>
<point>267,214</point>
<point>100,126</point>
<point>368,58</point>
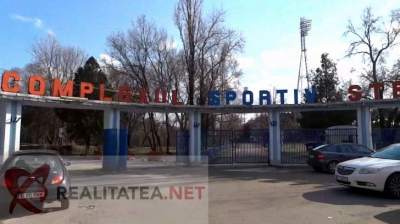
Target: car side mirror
<point>67,163</point>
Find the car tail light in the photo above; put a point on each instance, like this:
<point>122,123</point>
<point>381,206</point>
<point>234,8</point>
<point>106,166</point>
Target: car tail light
<point>57,179</point>
<point>320,155</point>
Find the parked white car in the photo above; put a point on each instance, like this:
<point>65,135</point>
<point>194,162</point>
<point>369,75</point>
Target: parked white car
<point>379,171</point>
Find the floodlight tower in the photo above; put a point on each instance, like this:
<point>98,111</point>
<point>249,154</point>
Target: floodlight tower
<point>305,26</point>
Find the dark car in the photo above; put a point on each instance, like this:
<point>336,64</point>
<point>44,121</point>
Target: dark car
<point>326,157</point>
<point>30,178</point>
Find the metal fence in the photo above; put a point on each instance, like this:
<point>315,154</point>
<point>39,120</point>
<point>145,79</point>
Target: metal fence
<point>182,146</point>
<point>382,137</point>
<point>217,146</point>
<point>294,150</point>
<point>234,146</point>
<point>251,146</point>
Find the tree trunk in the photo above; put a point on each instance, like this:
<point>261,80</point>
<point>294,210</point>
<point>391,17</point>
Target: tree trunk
<point>87,145</point>
<point>168,132</point>
<point>146,132</point>
<point>37,135</point>
<point>128,137</point>
<point>152,130</point>
<point>146,138</point>
<point>159,142</point>
<point>191,83</point>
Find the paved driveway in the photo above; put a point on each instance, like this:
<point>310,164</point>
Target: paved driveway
<point>236,194</point>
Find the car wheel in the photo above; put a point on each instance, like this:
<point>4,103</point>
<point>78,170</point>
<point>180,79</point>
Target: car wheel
<point>331,167</point>
<point>64,203</point>
<point>392,186</point>
<point>318,168</point>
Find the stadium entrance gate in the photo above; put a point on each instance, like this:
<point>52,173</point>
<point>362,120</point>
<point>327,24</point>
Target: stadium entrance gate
<point>241,149</point>
<point>252,146</point>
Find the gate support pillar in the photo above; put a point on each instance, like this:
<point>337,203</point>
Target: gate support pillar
<point>10,128</point>
<point>274,148</point>
<point>195,138</point>
<point>111,140</point>
<point>364,134</point>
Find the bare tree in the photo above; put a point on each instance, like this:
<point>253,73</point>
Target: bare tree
<point>129,120</point>
<point>52,60</point>
<point>188,19</point>
<point>209,49</point>
<point>366,43</point>
<point>166,73</point>
<point>144,55</point>
<point>182,87</point>
<point>374,39</point>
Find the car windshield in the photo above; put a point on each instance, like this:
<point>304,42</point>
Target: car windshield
<point>32,161</point>
<point>390,152</point>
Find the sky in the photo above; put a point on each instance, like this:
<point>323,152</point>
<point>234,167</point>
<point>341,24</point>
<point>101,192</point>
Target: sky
<point>271,29</point>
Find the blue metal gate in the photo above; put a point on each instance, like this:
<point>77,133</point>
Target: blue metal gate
<point>250,147</point>
<point>382,137</point>
<point>182,147</point>
<point>217,146</point>
<point>226,146</point>
<point>240,146</point>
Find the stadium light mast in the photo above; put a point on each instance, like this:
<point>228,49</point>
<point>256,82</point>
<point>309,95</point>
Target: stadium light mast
<point>305,27</point>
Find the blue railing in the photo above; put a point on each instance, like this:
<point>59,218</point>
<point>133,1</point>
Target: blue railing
<point>216,150</point>
<point>382,137</point>
<point>216,143</point>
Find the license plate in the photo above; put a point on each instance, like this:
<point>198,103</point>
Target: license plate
<point>311,156</point>
<point>342,178</point>
<point>30,195</point>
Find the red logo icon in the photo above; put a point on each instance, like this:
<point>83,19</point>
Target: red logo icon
<point>18,192</point>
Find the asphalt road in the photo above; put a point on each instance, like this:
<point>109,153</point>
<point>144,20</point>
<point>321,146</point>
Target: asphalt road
<point>236,194</point>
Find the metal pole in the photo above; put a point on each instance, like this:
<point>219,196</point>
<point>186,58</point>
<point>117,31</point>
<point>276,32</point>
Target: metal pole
<point>299,77</point>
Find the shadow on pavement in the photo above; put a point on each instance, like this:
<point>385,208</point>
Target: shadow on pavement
<point>342,195</point>
<point>390,217</point>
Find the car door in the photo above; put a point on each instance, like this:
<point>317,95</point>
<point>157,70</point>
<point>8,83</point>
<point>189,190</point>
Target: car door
<point>344,152</point>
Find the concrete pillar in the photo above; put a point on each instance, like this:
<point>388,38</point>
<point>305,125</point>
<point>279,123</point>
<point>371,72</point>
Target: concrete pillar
<point>111,140</point>
<point>364,133</point>
<point>10,128</point>
<point>274,150</point>
<point>111,119</point>
<point>195,138</point>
